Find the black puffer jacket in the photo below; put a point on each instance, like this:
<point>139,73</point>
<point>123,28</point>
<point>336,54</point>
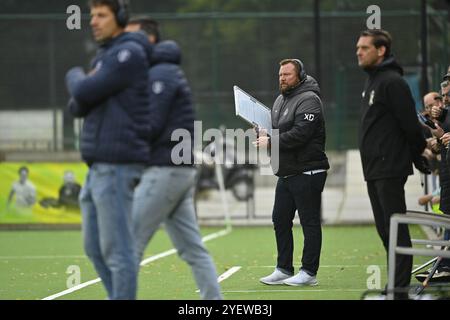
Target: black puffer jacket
<point>390,135</point>
<point>298,115</point>
<point>171,105</point>
<point>113,101</point>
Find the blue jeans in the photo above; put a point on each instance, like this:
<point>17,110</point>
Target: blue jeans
<point>106,201</point>
<point>165,195</point>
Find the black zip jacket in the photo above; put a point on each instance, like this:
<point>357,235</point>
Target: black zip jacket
<point>298,115</point>
<point>390,136</point>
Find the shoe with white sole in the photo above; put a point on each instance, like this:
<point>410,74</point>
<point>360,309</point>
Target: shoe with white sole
<point>301,279</point>
<point>277,277</point>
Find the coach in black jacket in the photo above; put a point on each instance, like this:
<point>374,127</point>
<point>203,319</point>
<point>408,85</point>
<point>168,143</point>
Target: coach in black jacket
<point>298,116</point>
<point>390,140</point>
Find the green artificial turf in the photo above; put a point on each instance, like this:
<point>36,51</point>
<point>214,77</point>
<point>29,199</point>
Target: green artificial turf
<point>37,264</point>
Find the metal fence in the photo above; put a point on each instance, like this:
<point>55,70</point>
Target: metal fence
<point>220,49</point>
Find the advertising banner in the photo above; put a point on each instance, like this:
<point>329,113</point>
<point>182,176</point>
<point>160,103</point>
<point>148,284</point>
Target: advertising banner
<point>41,192</point>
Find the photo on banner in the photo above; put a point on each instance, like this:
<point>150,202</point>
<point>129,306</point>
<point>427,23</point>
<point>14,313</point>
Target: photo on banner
<point>44,193</point>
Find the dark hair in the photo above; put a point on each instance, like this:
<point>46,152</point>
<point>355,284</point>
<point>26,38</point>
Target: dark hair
<point>23,168</point>
<point>380,38</point>
<point>296,64</point>
<point>148,25</point>
<point>112,4</point>
<point>120,8</point>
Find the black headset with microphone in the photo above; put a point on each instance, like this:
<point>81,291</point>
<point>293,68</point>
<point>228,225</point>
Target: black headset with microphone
<point>122,14</point>
<point>302,72</point>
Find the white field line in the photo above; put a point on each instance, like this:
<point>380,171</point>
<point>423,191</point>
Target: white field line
<point>294,290</point>
<point>144,262</point>
<point>158,256</point>
<point>323,266</point>
<point>331,266</point>
<point>226,274</point>
<point>73,289</point>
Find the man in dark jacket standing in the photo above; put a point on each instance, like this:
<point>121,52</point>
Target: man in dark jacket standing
<point>113,100</point>
<point>166,192</point>
<point>297,114</point>
<point>390,140</point>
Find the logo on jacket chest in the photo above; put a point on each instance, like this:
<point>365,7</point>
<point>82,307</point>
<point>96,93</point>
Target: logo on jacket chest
<point>158,87</point>
<point>371,97</point>
<point>98,66</point>
<point>123,55</point>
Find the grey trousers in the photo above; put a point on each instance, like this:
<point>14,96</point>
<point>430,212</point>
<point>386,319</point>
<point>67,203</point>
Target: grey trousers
<point>166,195</point>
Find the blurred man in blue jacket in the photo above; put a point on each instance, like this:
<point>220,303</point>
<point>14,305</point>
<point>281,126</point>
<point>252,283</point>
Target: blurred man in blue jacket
<point>113,100</point>
<point>166,192</point>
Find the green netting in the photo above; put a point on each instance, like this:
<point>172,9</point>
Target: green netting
<point>224,43</point>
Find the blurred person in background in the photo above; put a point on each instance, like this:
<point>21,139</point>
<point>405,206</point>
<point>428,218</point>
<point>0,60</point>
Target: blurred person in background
<point>434,127</point>
<point>442,273</point>
<point>113,100</point>
<point>166,191</point>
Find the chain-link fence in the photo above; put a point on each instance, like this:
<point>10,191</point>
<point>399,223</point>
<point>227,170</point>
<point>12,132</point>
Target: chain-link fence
<point>223,44</point>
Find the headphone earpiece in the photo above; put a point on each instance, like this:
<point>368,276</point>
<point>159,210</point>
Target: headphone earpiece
<point>122,14</point>
<point>302,72</point>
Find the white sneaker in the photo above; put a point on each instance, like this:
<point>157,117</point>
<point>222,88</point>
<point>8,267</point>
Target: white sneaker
<point>376,297</point>
<point>301,279</point>
<point>276,277</point>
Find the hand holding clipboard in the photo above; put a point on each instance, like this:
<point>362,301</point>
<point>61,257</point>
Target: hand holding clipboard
<point>252,111</point>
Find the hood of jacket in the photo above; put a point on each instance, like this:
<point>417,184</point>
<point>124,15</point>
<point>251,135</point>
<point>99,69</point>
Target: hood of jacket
<point>166,51</point>
<point>138,37</point>
<point>388,64</point>
<point>308,84</point>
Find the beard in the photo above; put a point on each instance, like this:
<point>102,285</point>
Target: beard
<point>285,89</point>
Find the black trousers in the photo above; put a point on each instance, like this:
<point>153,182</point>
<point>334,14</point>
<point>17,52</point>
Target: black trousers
<point>304,194</point>
<point>444,206</point>
<point>387,196</point>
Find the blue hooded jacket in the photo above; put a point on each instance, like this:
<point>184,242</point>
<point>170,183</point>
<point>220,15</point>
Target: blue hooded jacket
<point>171,105</point>
<point>113,100</point>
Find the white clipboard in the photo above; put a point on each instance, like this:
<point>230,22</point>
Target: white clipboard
<point>251,110</point>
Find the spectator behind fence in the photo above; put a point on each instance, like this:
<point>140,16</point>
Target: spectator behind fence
<point>442,273</point>
<point>447,76</point>
<point>433,102</point>
<point>432,199</point>
<point>23,189</point>
<point>113,100</point>
<point>435,127</point>
<point>390,141</point>
<point>166,192</point>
